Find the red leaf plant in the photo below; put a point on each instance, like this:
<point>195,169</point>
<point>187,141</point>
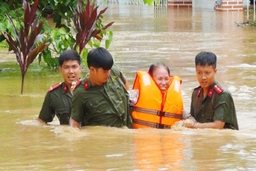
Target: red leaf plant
<point>25,42</point>
<point>85,22</point>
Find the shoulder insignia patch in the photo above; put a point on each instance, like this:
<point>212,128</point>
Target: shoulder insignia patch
<point>218,89</point>
<point>54,86</point>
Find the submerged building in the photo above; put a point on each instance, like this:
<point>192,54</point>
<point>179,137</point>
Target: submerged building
<point>219,5</point>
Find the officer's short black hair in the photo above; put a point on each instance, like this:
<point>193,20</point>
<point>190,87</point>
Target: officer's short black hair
<point>206,58</point>
<point>156,65</point>
<point>69,55</point>
<point>100,58</point>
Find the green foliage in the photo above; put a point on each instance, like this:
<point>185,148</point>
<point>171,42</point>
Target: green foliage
<point>87,29</point>
<point>60,39</point>
<point>5,24</point>
<point>26,40</point>
<point>247,23</point>
<point>64,35</point>
<point>4,44</point>
<point>26,34</point>
<point>108,41</point>
<point>148,2</point>
<point>83,55</point>
<point>59,10</point>
<point>51,62</point>
<point>87,24</point>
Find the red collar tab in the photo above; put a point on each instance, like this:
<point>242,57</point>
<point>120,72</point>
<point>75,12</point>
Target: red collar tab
<point>210,92</point>
<point>65,88</point>
<point>54,86</point>
<point>86,85</point>
<point>218,89</point>
<point>199,91</point>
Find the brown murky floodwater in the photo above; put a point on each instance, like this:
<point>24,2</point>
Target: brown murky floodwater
<point>142,35</point>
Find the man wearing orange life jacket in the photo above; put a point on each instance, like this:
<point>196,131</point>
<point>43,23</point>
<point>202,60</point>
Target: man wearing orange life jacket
<point>160,102</point>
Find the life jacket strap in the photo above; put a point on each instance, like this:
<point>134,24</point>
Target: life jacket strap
<point>157,112</point>
<point>151,124</point>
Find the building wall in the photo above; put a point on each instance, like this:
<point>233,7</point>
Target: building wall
<point>203,4</point>
<point>179,3</point>
<point>229,5</point>
<point>220,5</point>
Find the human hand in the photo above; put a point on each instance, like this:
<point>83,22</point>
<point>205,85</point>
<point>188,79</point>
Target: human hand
<point>185,114</point>
<point>133,96</point>
<point>73,86</point>
<point>189,123</point>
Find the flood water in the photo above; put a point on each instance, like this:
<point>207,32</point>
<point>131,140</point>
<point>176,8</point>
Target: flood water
<point>142,35</point>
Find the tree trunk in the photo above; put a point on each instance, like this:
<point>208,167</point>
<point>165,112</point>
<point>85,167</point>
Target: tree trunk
<point>22,82</point>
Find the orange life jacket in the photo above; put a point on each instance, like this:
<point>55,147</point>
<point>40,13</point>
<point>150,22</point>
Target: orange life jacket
<point>155,109</point>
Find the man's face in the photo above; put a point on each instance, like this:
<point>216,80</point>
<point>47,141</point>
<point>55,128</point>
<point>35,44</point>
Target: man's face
<point>70,71</point>
<point>100,76</point>
<point>205,75</point>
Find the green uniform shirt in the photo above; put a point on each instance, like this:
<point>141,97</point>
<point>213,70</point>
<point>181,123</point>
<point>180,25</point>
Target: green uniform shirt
<point>217,105</point>
<point>105,105</point>
<point>57,102</point>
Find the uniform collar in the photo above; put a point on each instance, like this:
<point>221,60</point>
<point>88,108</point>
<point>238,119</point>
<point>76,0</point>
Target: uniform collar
<point>88,84</point>
<point>210,91</point>
<point>64,88</point>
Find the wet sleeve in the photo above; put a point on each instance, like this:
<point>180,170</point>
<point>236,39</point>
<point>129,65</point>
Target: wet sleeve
<point>118,73</point>
<point>222,107</point>
<point>192,113</point>
<point>47,113</point>
<point>123,78</point>
<point>78,110</point>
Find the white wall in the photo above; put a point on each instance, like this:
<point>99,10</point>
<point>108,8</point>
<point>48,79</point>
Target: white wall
<point>206,4</point>
<point>245,2</point>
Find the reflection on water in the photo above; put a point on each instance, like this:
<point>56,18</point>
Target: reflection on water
<point>158,150</point>
<point>142,35</point>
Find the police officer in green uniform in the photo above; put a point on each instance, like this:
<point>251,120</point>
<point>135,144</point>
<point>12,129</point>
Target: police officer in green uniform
<point>102,98</point>
<point>58,99</point>
<point>212,105</point>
